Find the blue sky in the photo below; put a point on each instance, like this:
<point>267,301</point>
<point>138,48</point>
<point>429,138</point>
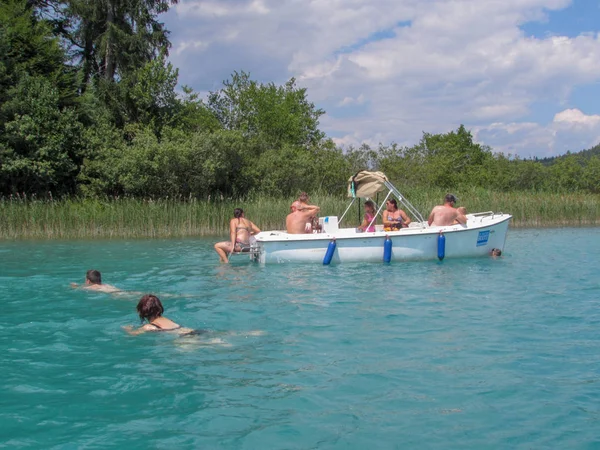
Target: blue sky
<point>522,75</point>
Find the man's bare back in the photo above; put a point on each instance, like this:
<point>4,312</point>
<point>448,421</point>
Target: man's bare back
<point>442,216</point>
<point>446,214</point>
<point>107,288</point>
<point>93,282</point>
<point>295,222</point>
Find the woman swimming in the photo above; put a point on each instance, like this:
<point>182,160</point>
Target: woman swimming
<point>150,309</point>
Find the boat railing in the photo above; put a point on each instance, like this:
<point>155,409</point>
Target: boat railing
<point>411,209</point>
<point>485,214</point>
<point>392,190</point>
<point>347,209</point>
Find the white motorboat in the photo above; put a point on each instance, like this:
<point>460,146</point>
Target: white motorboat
<point>335,244</point>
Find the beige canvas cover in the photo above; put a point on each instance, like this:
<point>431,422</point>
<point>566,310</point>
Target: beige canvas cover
<point>366,184</point>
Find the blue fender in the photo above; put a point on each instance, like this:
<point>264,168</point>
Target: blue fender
<point>329,253</point>
<point>387,250</point>
<point>441,246</point>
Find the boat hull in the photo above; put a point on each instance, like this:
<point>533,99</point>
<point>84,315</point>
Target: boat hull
<point>477,238</point>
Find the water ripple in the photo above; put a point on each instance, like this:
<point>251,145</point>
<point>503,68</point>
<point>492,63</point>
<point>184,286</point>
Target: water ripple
<point>460,354</point>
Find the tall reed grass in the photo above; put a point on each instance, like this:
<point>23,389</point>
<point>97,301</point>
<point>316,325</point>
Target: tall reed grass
<point>25,218</point>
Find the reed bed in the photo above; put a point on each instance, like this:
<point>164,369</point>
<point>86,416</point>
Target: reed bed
<point>25,218</point>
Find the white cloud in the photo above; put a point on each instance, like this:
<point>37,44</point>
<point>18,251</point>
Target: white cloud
<point>570,130</point>
<point>352,101</point>
<point>574,117</point>
<point>423,65</point>
<point>219,9</point>
<point>190,46</point>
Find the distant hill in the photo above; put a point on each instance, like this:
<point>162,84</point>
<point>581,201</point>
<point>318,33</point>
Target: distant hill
<point>585,154</point>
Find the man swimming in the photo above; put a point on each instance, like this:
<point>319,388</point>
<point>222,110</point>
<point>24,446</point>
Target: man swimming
<point>93,282</point>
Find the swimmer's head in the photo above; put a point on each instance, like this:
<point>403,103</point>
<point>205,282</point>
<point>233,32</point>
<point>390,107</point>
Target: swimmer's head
<point>238,212</point>
<point>149,307</point>
<point>93,277</point>
<point>295,206</point>
<point>496,252</point>
<point>303,198</point>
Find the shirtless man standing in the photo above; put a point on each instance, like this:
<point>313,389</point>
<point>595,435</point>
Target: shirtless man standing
<point>93,282</point>
<point>312,223</point>
<point>295,221</point>
<point>446,214</point>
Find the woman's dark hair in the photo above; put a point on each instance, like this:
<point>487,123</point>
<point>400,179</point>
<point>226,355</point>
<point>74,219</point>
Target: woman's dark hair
<point>370,203</point>
<point>149,307</point>
<point>237,212</point>
<point>393,202</point>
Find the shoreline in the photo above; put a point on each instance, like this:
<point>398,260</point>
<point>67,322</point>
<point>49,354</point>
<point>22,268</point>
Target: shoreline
<point>129,218</point>
<point>55,235</point>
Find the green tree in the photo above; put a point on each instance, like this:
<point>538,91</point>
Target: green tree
<point>178,164</point>
<point>111,38</point>
<point>567,174</point>
<point>149,95</point>
<point>27,47</point>
<point>591,174</point>
<point>277,114</point>
<point>41,142</point>
<point>193,115</point>
<point>40,132</point>
<point>451,158</point>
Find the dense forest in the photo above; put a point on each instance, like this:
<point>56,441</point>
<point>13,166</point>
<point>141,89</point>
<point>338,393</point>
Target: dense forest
<point>89,107</point>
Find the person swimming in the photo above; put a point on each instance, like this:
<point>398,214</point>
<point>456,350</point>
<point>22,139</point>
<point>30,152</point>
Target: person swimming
<point>150,310</point>
<point>495,252</point>
<point>93,282</point>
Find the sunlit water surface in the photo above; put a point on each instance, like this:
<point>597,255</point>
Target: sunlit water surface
<point>474,353</point>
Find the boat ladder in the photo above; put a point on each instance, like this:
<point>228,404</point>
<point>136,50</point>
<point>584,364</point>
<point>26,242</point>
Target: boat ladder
<point>253,252</point>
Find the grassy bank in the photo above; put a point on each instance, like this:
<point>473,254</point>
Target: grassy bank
<point>129,218</point>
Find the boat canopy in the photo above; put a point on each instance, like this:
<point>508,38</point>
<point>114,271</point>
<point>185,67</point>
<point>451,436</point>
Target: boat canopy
<point>365,184</point>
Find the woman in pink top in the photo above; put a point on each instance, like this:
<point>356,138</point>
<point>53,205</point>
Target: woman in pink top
<point>369,216</point>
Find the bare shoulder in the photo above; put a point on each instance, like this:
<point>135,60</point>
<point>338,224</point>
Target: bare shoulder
<point>106,288</point>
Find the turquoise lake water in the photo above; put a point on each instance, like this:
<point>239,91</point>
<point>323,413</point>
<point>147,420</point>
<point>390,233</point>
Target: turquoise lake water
<point>470,354</point>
